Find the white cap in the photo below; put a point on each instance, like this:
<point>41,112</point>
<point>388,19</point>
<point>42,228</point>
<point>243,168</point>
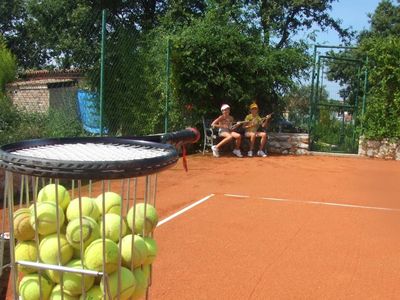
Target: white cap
<point>224,106</point>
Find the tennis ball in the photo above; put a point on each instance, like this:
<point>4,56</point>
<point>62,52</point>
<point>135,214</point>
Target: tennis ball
<point>26,250</point>
<point>48,249</point>
<point>142,223</point>
<point>127,287</point>
<point>89,232</point>
<point>141,283</point>
<point>23,229</point>
<point>152,250</point>
<point>77,253</point>
<point>89,208</point>
<point>112,228</point>
<point>73,281</point>
<point>29,287</point>
<point>139,251</point>
<point>46,213</point>
<point>48,194</point>
<point>94,256</point>
<point>146,270</point>
<point>94,293</point>
<point>112,203</point>
<point>56,294</point>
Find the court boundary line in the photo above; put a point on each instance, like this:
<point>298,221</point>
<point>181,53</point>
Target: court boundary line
<point>185,209</point>
<point>317,203</point>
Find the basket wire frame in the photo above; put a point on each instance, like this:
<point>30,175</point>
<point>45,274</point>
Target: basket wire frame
<point>132,191</point>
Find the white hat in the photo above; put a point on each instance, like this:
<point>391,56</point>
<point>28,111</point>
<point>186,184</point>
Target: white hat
<point>224,106</point>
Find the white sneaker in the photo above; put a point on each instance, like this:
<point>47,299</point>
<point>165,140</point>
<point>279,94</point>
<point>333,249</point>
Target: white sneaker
<point>237,153</point>
<point>250,154</point>
<point>215,151</point>
<point>261,153</point>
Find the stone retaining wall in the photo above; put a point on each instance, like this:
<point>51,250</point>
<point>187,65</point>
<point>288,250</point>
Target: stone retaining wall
<point>385,148</point>
<point>288,143</point>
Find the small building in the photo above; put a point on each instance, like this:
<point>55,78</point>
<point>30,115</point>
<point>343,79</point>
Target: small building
<point>39,91</point>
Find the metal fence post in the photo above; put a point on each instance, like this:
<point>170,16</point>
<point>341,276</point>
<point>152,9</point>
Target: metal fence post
<point>167,90</point>
<point>102,55</point>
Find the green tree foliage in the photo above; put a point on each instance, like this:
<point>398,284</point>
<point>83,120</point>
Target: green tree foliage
<point>281,19</point>
<point>380,44</point>
<point>8,65</point>
<point>382,119</point>
<point>223,51</point>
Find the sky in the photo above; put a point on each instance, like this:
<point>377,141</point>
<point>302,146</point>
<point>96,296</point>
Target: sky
<point>353,13</point>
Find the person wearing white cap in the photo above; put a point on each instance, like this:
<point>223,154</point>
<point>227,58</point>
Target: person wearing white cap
<point>224,124</point>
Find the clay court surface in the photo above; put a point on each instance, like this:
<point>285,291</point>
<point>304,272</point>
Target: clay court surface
<point>306,227</point>
<point>328,230</point>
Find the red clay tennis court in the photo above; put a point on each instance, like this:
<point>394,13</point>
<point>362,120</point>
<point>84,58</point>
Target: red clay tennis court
<point>282,227</point>
<point>309,227</point>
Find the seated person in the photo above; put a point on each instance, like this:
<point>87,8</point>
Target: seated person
<point>253,123</point>
<point>224,125</point>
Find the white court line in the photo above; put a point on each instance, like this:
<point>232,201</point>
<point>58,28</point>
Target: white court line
<point>184,210</point>
<point>318,203</point>
<point>236,196</point>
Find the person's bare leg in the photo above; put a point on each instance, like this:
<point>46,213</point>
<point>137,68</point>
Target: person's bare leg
<point>263,136</point>
<point>238,138</point>
<point>227,137</point>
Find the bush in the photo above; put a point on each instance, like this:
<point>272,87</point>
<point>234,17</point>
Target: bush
<point>8,65</point>
<point>22,125</point>
<point>383,103</point>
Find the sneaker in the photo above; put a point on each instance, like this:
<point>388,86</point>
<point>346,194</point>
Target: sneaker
<point>261,153</point>
<point>215,151</point>
<point>237,153</point>
<point>250,154</point>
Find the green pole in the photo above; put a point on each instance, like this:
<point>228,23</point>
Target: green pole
<point>311,110</point>
<point>167,79</point>
<point>365,89</point>
<point>102,53</point>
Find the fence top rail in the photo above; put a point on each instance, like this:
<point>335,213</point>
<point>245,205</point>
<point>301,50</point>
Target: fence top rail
<point>342,58</point>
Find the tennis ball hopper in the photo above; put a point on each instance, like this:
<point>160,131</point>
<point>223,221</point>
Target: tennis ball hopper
<point>68,188</point>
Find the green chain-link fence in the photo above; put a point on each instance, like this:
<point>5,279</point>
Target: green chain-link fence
<point>99,76</point>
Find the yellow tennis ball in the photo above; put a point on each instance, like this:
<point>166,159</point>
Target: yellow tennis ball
<point>143,223</point>
<point>56,294</point>
<point>139,254</point>
<point>127,286</point>
<point>112,203</point>
<point>94,256</point>
<point>26,250</point>
<point>29,287</point>
<point>95,293</point>
<point>152,250</point>
<point>49,252</point>
<point>113,227</point>
<point>73,281</point>
<point>23,229</point>
<point>46,213</point>
<point>141,283</point>
<point>49,192</point>
<point>89,232</point>
<point>147,269</point>
<point>89,209</point>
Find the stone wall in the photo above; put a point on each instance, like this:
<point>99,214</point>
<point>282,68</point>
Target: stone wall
<point>288,143</point>
<point>385,148</point>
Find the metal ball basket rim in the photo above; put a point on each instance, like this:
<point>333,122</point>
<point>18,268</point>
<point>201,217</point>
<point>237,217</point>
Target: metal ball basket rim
<point>78,169</point>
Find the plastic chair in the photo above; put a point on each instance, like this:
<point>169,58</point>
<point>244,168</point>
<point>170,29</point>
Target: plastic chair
<point>210,134</point>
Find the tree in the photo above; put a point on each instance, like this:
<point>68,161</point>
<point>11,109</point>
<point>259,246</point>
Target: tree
<point>380,43</point>
<point>281,19</point>
<point>383,109</point>
<point>7,66</point>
